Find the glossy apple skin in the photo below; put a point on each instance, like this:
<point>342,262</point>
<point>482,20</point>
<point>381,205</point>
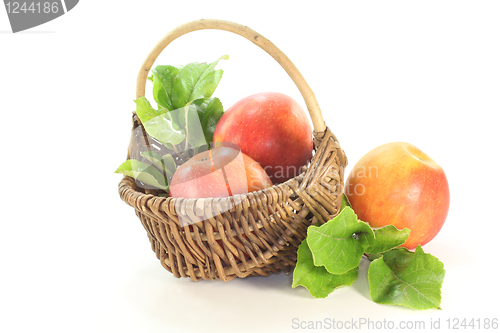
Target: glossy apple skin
<point>398,184</point>
<point>218,173</point>
<point>272,129</point>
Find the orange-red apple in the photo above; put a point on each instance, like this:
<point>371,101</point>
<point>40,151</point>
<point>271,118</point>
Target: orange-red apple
<point>398,184</point>
<point>218,173</point>
<point>272,129</point>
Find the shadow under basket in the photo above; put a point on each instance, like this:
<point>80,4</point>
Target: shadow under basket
<point>254,234</point>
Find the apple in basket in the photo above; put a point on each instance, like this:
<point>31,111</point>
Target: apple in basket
<point>272,129</point>
<point>217,173</point>
<point>221,172</point>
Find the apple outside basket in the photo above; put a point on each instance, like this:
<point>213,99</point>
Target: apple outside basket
<point>254,234</point>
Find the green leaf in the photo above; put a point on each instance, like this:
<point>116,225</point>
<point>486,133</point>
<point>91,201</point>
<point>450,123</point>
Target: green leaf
<point>373,256</point>
<point>209,110</point>
<point>163,82</point>
<point>154,158</point>
<point>212,112</point>
<point>176,91</point>
<point>177,118</point>
<point>345,202</point>
<point>402,277</point>
<point>159,94</point>
<point>318,280</point>
<point>335,244</point>
<point>161,128</point>
<point>194,129</point>
<point>143,172</point>
<point>386,238</point>
<point>159,124</point>
<point>165,163</point>
<point>145,111</point>
<point>195,81</point>
<point>169,164</point>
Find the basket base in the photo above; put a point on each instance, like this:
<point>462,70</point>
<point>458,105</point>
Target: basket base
<point>174,264</point>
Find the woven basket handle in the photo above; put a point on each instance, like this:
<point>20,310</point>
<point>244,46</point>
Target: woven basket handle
<point>254,37</point>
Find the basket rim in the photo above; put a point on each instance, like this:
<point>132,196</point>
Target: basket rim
<point>318,140</point>
<point>265,191</point>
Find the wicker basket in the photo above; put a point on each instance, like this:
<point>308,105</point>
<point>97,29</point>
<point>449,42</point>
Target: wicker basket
<point>247,235</point>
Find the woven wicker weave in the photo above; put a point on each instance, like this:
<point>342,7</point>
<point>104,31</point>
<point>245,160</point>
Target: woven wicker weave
<point>245,235</point>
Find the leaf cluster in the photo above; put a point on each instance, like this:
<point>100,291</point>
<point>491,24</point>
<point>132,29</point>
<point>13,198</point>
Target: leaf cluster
<point>330,256</point>
<point>183,122</point>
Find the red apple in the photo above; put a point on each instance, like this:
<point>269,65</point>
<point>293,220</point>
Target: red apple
<point>399,184</point>
<point>218,173</point>
<point>272,129</point>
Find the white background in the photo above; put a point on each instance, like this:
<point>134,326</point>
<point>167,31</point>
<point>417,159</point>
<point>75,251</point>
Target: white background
<point>75,258</point>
